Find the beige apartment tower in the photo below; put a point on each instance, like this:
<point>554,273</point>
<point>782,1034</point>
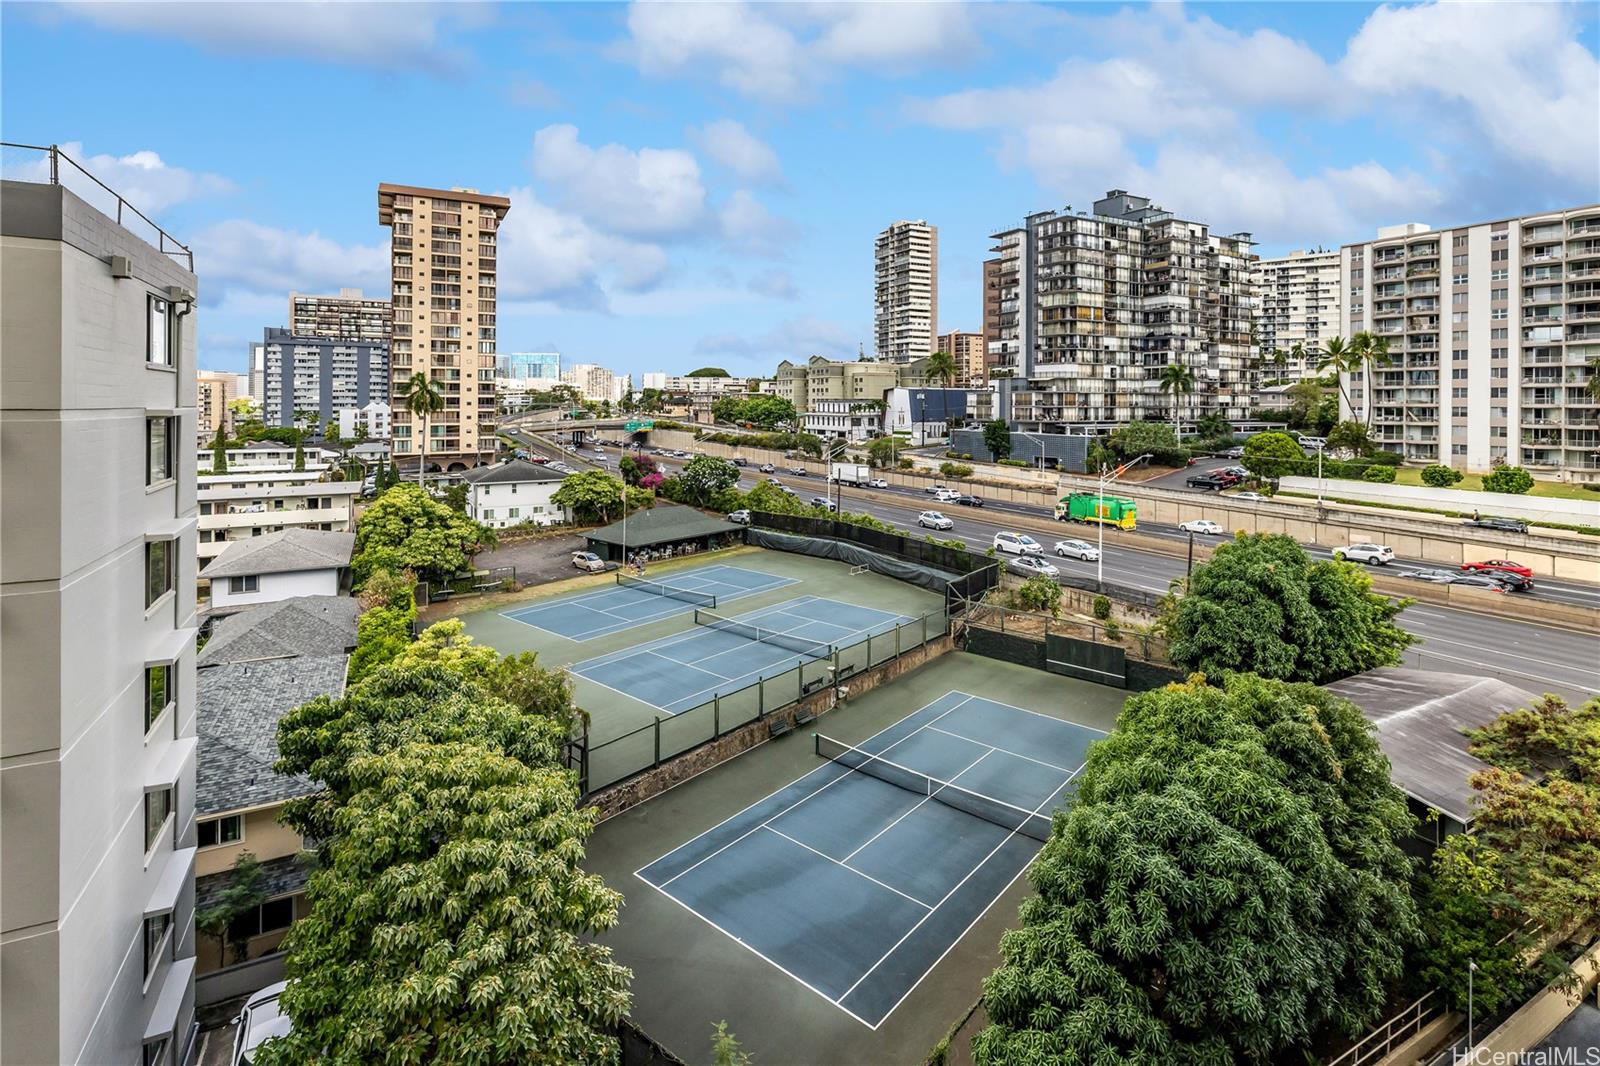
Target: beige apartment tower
<point>969,352</point>
<point>906,291</point>
<point>213,391</point>
<point>443,257</point>
<point>97,660</point>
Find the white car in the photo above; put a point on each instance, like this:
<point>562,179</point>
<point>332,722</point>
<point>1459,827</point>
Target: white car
<point>1200,525</point>
<point>260,1018</point>
<point>1077,549</point>
<point>742,517</point>
<point>935,489</point>
<point>947,495</point>
<point>1017,544</point>
<point>878,483</point>
<point>588,561</point>
<point>1371,554</point>
<point>934,520</point>
<point>1248,496</point>
<point>1032,566</point>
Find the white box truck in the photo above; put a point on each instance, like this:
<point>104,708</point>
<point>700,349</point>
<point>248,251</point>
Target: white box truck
<point>850,473</point>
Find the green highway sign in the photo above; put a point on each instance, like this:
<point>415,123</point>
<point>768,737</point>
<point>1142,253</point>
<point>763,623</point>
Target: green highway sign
<point>636,426</point>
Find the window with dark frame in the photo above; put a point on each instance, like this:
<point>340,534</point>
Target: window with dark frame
<point>159,339</point>
<point>158,450</point>
<point>244,583</point>
<point>157,692</point>
<point>155,1052</point>
<point>157,571</point>
<point>157,809</point>
<point>156,928</point>
<point>214,832</point>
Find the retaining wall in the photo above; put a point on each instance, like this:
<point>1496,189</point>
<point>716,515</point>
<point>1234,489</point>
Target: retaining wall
<point>1533,508</point>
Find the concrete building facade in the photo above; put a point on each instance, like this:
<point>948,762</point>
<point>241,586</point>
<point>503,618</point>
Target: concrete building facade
<point>320,374</point>
<point>375,420</point>
<point>348,316</point>
<point>1297,309</point>
<point>906,291</point>
<point>819,379</point>
<point>849,420</point>
<point>213,391</point>
<point>970,353</point>
<point>514,493</point>
<point>1091,307</point>
<point>244,503</point>
<point>97,707</point>
<point>595,382</point>
<point>443,255</point>
<point>1490,329</point>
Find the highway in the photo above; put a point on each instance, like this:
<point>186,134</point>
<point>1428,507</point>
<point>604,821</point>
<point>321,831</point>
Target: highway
<point>1537,657</point>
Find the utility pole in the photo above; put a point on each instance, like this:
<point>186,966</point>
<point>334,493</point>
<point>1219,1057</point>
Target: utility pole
<point>1106,477</point>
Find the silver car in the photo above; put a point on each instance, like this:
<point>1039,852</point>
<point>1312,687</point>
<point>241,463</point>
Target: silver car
<point>260,1019</point>
<point>934,520</point>
<point>1032,566</point>
<point>1077,549</point>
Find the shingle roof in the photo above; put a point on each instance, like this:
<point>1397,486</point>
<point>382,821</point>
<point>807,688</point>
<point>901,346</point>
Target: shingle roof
<point>281,552</point>
<point>662,524</point>
<point>1421,719</point>
<point>279,877</point>
<point>300,625</point>
<point>515,470</point>
<point>238,708</point>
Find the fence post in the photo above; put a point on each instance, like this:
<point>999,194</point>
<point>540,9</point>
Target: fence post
<point>924,629</point>
<point>657,731</point>
<point>716,714</point>
<point>761,697</point>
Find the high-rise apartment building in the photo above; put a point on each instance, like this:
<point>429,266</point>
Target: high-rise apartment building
<point>348,316</point>
<point>97,668</point>
<point>1092,306</point>
<point>320,374</point>
<point>906,291</point>
<point>596,382</point>
<point>258,373</point>
<point>1297,305</point>
<point>443,245</point>
<point>993,305</point>
<point>213,390</point>
<point>517,375</point>
<point>970,353</point>
<point>819,379</point>
<point>1490,330</point>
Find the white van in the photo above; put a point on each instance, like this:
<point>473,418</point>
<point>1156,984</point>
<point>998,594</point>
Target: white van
<point>1312,444</point>
<point>1017,544</point>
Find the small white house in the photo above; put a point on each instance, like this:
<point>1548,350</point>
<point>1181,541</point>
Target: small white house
<point>514,492</point>
<point>277,566</point>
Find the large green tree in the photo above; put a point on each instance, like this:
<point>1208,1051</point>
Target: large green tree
<point>1262,605</point>
<point>219,451</point>
<point>1273,455</point>
<point>1155,439</point>
<point>997,438</point>
<point>406,529</point>
<point>704,476</point>
<point>883,451</point>
<point>596,496</point>
<point>941,368</point>
<point>1226,886</point>
<point>1175,380</point>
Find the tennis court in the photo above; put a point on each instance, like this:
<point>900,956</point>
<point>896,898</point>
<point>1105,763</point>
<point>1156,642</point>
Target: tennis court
<point>859,876</point>
<point>722,655</point>
<point>634,602</point>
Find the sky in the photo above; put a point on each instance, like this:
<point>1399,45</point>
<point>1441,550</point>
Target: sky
<point>700,184</point>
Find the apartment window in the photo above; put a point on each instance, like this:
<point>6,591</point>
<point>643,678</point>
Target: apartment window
<point>246,583</point>
<point>1458,260</point>
<point>157,692</point>
<point>1497,314</point>
<point>515,512</point>
<point>1459,392</point>
<point>1458,412</point>
<point>155,1052</point>
<point>1458,449</point>
<point>1497,294</point>
<point>157,812</point>
<point>1458,297</point>
<point>158,340</point>
<point>1498,372</point>
<point>1459,279</point>
<point>158,439</point>
<point>1459,355</point>
<point>1497,393</point>
<point>1499,255</point>
<point>1497,353</point>
<point>1458,374</point>
<point>1459,240</point>
<point>1501,274</point>
<point>272,916</point>
<point>157,933</point>
<point>215,832</point>
<point>158,556</point>
<point>488,514</point>
<point>1497,432</point>
<point>1498,333</point>
<point>1458,316</point>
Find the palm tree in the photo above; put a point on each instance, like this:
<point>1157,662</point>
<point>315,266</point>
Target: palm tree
<point>422,397</point>
<point>941,367</point>
<point>1375,354</point>
<point>1297,353</point>
<point>1593,384</point>
<point>1176,379</point>
<point>1339,356</point>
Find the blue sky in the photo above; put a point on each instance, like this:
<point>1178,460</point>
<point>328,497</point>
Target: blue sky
<point>699,184</point>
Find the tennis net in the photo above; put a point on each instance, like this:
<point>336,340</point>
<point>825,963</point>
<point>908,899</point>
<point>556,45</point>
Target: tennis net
<point>999,812</point>
<point>816,649</point>
<point>656,588</point>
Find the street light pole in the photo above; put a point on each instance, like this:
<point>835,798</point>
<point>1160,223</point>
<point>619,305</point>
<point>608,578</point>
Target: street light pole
<point>1106,477</point>
<point>1472,968</point>
<point>922,415</point>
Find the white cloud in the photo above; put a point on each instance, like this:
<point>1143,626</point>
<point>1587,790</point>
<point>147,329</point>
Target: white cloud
<point>795,338</point>
<point>142,178</point>
<point>728,143</point>
<point>353,33</point>
<point>649,192</point>
<point>240,255</point>
<point>783,51</point>
<point>748,227</point>
<point>775,285</point>
<point>554,257</point>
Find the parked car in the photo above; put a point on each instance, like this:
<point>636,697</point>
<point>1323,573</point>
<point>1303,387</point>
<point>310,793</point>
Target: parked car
<point>1499,564</point>
<point>1371,554</point>
<point>934,520</point>
<point>1479,581</point>
<point>1017,544</point>
<point>1312,443</point>
<point>1510,579</point>
<point>767,468</point>
<point>260,1018</point>
<point>934,489</point>
<point>1032,566</point>
<point>588,561</point>
<point>969,501</point>
<point>878,483</point>
<point>740,516</point>
<point>1200,525</point>
<point>1207,482</point>
<point>1437,577</point>
<point>1077,549</point>
<point>1235,452</point>
<point>1237,471</point>
<point>823,501</point>
<point>1504,525</point>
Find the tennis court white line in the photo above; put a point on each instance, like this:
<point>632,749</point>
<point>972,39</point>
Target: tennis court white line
<point>688,666</point>
<point>852,869</point>
<point>925,799</point>
<point>623,653</point>
<point>1003,751</point>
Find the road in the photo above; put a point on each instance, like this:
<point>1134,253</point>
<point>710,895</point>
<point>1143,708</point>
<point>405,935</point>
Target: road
<point>1537,657</point>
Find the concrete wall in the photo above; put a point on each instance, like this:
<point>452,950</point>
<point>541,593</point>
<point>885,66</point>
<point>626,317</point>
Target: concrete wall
<point>74,873</point>
<point>270,588</point>
<point>1533,508</point>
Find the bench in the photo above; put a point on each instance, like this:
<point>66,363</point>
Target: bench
<point>804,716</point>
<point>439,595</point>
<point>811,686</point>
<point>777,726</point>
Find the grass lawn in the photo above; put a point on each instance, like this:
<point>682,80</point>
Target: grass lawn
<point>1412,475</point>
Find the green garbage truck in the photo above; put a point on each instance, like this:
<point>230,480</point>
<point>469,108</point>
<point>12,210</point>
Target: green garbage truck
<point>1117,511</point>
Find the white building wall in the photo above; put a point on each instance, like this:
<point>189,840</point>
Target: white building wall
<point>1478,347</point>
<point>270,588</point>
<point>531,500</point>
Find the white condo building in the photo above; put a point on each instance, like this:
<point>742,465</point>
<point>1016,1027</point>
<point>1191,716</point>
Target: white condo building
<point>596,382</point>
<point>906,291</point>
<point>1297,304</point>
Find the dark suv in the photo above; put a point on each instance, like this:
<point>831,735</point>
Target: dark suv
<point>1206,481</point>
<point>1504,525</point>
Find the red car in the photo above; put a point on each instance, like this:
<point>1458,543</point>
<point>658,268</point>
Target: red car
<point>1499,564</point>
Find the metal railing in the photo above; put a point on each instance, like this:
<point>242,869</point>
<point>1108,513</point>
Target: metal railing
<point>123,211</point>
<point>1378,1044</point>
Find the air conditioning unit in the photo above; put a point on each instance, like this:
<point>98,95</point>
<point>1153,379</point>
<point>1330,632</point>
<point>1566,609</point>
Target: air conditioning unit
<point>121,266</point>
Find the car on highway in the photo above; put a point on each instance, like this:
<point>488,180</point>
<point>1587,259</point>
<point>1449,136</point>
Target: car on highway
<point>1504,525</point>
<point>773,481</point>
<point>1480,581</point>
<point>1248,496</point>
<point>935,489</point>
<point>1200,525</point>
<point>823,501</point>
<point>588,561</point>
<point>969,501</point>
<point>934,520</point>
<point>1510,579</point>
<point>947,495</point>
<point>1371,554</point>
<point>260,1018</point>
<point>1017,543</point>
<point>1436,577</point>
<point>1077,549</point>
<point>740,516</point>
<point>1235,452</point>
<point>1032,566</point>
<point>798,471</point>
<point>739,461</point>
<point>767,468</point>
<point>787,491</point>
<point>1499,564</point>
<point>878,483</point>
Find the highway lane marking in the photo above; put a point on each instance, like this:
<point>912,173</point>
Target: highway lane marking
<point>1524,658</point>
<point>1498,669</point>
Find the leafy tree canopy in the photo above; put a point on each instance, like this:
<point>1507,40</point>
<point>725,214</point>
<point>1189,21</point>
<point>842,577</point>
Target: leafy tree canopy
<point>1439,476</point>
<point>1227,884</point>
<point>708,372</point>
<point>382,633</point>
<point>596,496</point>
<point>407,529</point>
<point>765,412</point>
<point>883,451</point>
<point>1508,479</point>
<point>1262,605</point>
<point>1273,455</point>
<point>1351,437</point>
<point>1153,438</point>
<point>704,476</point>
<point>997,437</point>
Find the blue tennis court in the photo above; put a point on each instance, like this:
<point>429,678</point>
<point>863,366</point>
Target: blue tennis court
<point>681,672</point>
<point>858,877</point>
<point>611,610</point>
